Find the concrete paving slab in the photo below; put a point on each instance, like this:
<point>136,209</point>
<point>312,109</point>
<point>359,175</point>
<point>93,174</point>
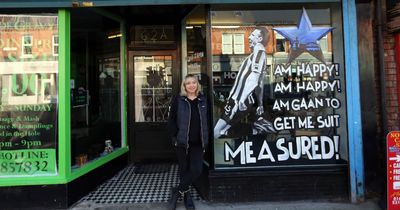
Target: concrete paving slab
<point>203,205</point>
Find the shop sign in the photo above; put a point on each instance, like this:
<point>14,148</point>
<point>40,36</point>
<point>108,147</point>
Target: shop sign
<point>27,162</point>
<point>79,97</point>
<point>393,170</point>
<point>150,36</point>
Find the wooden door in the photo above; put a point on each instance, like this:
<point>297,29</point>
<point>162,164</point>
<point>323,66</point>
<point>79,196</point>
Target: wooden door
<point>152,83</point>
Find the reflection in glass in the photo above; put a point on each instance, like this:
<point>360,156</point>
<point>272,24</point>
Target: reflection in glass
<point>109,69</point>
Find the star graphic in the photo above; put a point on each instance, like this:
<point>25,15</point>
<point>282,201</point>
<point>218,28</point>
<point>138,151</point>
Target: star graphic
<point>304,38</point>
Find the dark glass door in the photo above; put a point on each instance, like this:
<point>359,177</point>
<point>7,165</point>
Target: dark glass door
<point>152,83</point>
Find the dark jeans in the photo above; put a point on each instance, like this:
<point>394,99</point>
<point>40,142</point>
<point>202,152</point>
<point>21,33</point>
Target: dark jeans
<point>190,165</point>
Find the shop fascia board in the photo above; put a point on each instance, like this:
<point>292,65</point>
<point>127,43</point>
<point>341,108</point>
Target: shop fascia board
<point>103,3</point>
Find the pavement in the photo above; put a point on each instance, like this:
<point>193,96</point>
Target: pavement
<point>204,205</point>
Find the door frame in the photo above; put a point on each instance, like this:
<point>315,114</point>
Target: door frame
<point>176,76</point>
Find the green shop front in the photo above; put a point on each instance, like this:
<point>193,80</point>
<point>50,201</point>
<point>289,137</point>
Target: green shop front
<point>85,89</point>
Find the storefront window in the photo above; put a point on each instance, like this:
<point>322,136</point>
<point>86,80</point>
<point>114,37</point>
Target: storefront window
<point>28,96</point>
<point>95,86</point>
<point>196,55</point>
<point>279,90</point>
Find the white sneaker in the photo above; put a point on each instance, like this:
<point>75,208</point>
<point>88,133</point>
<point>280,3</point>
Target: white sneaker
<point>263,126</point>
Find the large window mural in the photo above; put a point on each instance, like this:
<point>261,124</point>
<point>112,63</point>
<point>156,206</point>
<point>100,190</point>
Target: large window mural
<point>28,96</point>
<point>279,95</point>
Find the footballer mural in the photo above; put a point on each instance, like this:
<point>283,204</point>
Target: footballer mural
<point>277,106</point>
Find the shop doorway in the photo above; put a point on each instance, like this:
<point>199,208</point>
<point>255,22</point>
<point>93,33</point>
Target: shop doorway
<point>152,82</point>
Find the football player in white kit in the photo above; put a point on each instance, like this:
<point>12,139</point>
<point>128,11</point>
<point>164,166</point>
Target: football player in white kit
<point>247,90</point>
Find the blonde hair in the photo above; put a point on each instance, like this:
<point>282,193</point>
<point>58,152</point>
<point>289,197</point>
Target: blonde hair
<point>183,89</point>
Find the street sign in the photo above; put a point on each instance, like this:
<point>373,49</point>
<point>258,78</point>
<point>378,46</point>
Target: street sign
<point>393,170</point>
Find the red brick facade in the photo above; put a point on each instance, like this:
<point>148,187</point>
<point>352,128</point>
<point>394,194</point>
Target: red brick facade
<point>391,77</point>
<point>391,67</point>
<point>392,103</point>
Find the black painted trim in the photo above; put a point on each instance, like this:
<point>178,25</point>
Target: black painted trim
<point>330,183</point>
<point>59,196</point>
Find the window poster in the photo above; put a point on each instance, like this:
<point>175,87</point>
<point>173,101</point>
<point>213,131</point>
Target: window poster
<point>28,96</point>
<point>279,96</point>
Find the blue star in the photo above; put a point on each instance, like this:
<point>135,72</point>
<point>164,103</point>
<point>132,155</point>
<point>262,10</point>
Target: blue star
<point>304,38</point>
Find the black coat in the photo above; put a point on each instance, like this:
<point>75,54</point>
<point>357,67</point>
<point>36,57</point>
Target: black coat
<point>179,118</point>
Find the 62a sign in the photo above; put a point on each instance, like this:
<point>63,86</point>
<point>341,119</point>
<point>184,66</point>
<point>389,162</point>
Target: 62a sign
<point>153,35</point>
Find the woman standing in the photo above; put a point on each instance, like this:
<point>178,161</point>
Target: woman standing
<point>188,128</point>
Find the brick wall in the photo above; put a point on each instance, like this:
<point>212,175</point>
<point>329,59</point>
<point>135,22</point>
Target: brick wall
<point>390,84</point>
<point>392,105</point>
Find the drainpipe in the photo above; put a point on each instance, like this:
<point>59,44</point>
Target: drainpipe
<point>381,65</point>
<point>355,144</point>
